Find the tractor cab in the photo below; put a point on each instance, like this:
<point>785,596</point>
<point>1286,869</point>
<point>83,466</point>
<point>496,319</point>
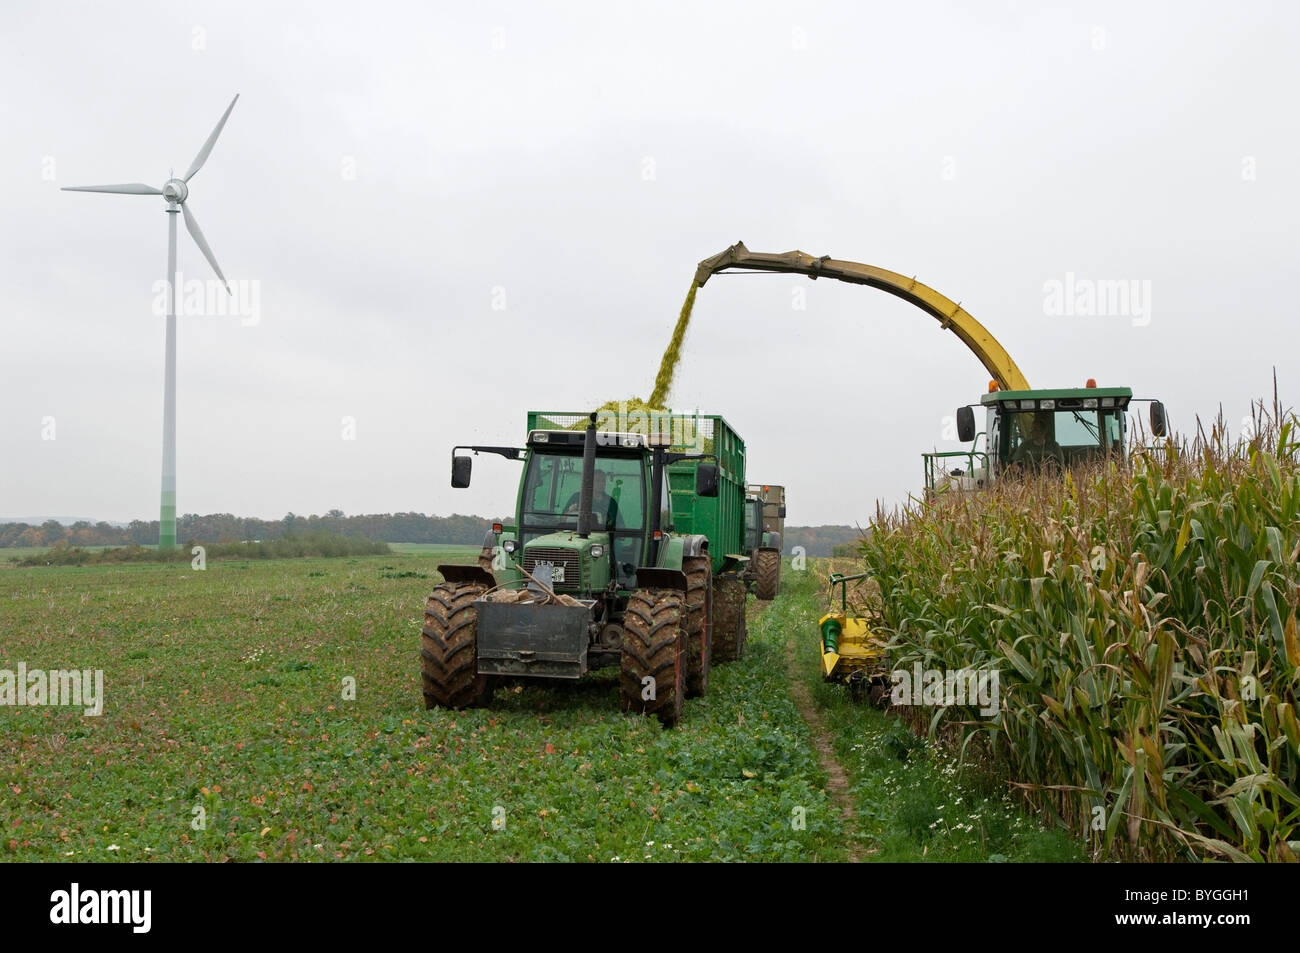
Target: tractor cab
<point>1030,430</point>
<point>547,526</point>
<point>770,514</point>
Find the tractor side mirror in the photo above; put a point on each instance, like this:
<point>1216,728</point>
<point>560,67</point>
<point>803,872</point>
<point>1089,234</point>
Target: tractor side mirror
<point>460,469</point>
<point>1159,425</point>
<point>965,424</point>
<point>780,511</point>
<point>706,479</point>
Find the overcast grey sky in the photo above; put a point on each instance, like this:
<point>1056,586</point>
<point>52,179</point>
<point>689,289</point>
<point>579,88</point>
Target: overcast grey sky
<point>458,212</point>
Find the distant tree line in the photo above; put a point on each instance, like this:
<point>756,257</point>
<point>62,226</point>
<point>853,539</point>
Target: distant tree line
<point>320,544</point>
<point>385,527</point>
<point>226,528</point>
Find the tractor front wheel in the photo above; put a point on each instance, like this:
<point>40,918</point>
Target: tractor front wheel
<point>652,678</point>
<point>449,649</point>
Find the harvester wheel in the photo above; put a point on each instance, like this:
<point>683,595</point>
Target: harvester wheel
<point>769,574</point>
<point>697,620</point>
<point>653,669</point>
<point>728,618</point>
<point>449,651</point>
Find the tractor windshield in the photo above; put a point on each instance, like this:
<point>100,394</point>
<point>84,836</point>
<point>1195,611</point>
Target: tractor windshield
<point>553,486</point>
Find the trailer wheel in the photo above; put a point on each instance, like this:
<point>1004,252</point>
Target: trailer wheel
<point>697,617</point>
<point>769,574</point>
<point>652,678</point>
<point>449,649</point>
<point>728,618</point>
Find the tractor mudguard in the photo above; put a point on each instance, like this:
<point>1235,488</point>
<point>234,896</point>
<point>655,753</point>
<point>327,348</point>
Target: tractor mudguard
<point>467,574</point>
<point>695,545</point>
<point>648,577</point>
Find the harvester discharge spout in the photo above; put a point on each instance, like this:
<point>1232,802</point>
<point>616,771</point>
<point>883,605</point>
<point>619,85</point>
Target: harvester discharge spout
<point>950,314</point>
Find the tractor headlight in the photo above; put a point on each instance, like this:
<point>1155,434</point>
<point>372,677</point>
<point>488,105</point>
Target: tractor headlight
<point>508,545</point>
<point>597,550</point>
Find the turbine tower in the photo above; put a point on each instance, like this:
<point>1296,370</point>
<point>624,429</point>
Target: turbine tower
<point>175,193</point>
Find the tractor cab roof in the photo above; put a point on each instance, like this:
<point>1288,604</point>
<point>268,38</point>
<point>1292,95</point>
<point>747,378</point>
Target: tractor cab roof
<point>606,441</point>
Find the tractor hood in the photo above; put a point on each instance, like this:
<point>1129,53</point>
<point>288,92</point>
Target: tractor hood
<point>576,564</point>
<point>568,539</point>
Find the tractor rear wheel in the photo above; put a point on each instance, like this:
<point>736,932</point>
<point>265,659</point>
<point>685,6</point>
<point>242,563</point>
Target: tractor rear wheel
<point>449,649</point>
<point>652,678</point>
<point>697,620</point>
<point>769,574</point>
<point>728,618</point>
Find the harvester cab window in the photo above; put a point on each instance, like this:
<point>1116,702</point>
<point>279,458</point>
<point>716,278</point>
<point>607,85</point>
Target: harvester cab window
<point>1033,438</point>
<point>1068,436</point>
<point>1114,437</point>
<point>1078,429</point>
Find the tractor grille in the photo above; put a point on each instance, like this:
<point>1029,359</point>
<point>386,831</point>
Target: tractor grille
<point>565,559</point>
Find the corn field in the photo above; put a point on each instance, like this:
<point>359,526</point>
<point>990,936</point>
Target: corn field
<point>1142,618</point>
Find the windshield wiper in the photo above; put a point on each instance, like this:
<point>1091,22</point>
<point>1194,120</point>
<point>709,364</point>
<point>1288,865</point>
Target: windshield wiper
<point>1089,426</point>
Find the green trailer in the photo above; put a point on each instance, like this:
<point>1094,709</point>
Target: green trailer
<point>721,518</point>
<point>625,550</point>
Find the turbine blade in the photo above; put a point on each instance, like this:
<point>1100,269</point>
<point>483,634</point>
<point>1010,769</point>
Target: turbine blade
<point>196,233</point>
<point>131,188</point>
<point>202,157</point>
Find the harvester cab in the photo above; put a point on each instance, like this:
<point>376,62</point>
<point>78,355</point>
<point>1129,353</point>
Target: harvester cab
<point>1037,430</point>
<point>852,654</point>
<point>596,568</point>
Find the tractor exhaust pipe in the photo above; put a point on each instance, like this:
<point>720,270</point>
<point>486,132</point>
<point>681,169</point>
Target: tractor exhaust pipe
<point>588,489</point>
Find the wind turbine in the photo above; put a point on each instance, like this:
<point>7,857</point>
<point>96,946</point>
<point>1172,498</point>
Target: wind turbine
<point>175,192</point>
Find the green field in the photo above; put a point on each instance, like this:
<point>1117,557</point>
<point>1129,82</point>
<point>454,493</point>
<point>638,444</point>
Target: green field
<point>11,554</point>
<point>453,551</point>
<point>225,704</point>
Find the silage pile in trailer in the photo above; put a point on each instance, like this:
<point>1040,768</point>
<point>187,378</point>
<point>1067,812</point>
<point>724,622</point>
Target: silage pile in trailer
<point>634,415</point>
<point>1143,621</point>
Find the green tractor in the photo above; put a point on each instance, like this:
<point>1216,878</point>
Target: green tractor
<point>621,553</point>
<point>1029,430</point>
<point>764,534</point>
